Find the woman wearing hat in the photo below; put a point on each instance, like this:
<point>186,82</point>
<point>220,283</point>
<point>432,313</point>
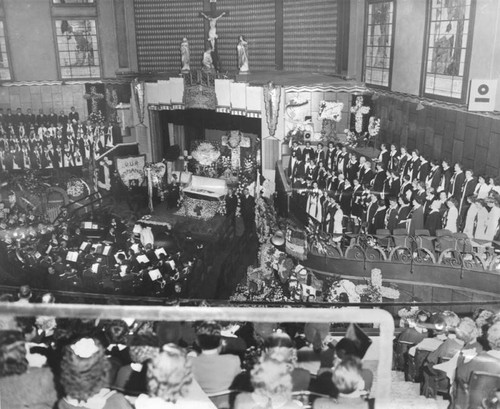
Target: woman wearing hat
<point>84,375</point>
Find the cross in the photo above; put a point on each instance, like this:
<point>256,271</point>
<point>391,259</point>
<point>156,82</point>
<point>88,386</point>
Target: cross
<point>198,209</point>
<point>211,18</point>
<point>359,110</point>
<point>95,97</point>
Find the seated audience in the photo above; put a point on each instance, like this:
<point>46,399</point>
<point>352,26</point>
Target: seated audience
<point>170,383</point>
<point>272,383</point>
<point>21,385</point>
<point>214,372</point>
<point>84,375</point>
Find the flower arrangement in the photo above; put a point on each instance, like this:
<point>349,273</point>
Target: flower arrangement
<point>206,154</point>
<point>354,139</point>
<point>330,110</point>
<point>373,291</point>
<point>96,117</point>
<point>75,188</point>
<point>374,127</point>
<point>265,219</point>
<point>339,287</point>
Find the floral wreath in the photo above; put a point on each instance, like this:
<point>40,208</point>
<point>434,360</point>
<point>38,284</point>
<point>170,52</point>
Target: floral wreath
<point>206,154</point>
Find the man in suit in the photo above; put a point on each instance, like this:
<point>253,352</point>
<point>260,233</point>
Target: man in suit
<point>41,118</point>
<point>29,119</point>
<point>247,204</point>
<point>63,119</point>
<point>52,118</point>
<point>73,116</point>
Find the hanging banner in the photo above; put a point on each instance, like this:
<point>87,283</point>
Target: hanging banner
<point>131,169</point>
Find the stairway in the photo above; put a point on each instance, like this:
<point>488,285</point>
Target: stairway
<point>405,395</point>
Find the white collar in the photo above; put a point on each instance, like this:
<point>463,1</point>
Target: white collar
<point>210,351</point>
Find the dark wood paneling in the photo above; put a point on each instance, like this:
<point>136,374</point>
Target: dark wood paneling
<point>459,136</point>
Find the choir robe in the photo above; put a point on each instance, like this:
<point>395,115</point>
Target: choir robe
<point>391,218</point>
<point>378,221</point>
<point>393,163</point>
<point>403,213</point>
<point>423,171</point>
<point>378,182</point>
<point>356,202</point>
<point>433,222</point>
<point>456,183</point>
<point>345,196</point>
<point>352,169</point>
<point>433,179</point>
<point>313,207</point>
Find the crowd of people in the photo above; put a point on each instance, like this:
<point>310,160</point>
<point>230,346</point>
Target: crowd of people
<point>442,352</point>
<point>50,141</point>
<point>97,253</point>
<point>118,364</point>
<point>343,191</point>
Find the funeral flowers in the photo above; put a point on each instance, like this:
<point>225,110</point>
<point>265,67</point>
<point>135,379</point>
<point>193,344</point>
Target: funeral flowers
<point>206,154</point>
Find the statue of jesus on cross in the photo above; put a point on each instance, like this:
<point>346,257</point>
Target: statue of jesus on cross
<point>212,18</point>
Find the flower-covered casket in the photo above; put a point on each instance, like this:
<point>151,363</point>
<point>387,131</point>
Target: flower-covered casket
<point>205,188</point>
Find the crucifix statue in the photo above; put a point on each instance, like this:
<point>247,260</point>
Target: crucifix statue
<point>212,17</point>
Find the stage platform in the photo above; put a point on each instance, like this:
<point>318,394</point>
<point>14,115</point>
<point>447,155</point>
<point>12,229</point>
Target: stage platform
<point>213,229</point>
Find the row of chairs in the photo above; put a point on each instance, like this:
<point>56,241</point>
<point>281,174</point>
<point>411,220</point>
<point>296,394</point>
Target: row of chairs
<point>444,240</point>
<point>468,395</point>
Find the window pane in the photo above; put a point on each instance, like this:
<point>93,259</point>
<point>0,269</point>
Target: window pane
<point>379,42</point>
<point>78,48</point>
<point>4,59</point>
<point>446,52</point>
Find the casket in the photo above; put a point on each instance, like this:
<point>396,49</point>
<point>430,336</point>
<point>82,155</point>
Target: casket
<point>206,188</point>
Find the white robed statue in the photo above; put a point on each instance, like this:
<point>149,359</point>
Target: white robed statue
<point>185,56</point>
<point>242,55</point>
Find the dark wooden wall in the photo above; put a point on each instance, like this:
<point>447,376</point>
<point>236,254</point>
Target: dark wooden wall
<point>460,136</point>
<point>291,35</point>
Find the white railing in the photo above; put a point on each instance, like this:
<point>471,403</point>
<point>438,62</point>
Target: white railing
<point>157,313</point>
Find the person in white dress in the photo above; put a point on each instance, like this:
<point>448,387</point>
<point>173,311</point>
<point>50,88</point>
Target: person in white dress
<point>482,190</point>
<point>338,218</point>
<point>452,216</point>
<point>481,220</point>
<point>493,219</point>
<point>471,217</point>
<point>314,208</point>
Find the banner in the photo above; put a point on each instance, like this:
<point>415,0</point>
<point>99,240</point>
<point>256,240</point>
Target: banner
<point>131,169</point>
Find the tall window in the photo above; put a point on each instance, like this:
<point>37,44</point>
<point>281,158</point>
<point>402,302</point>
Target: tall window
<point>4,59</point>
<point>448,48</point>
<point>78,49</point>
<point>379,42</point>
